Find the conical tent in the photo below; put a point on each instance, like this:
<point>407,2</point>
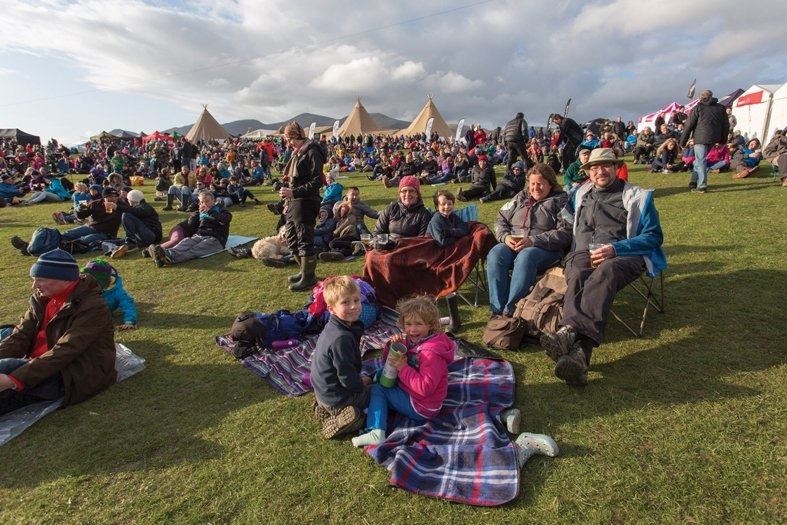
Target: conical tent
<point>418,125</point>
<point>207,128</point>
<point>358,122</point>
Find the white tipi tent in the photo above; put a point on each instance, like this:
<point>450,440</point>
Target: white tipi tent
<point>752,110</point>
<point>358,122</point>
<point>207,128</point>
<point>418,125</point>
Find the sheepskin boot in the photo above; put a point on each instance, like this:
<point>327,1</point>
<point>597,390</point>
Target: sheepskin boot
<point>453,313</point>
<point>297,277</point>
<point>309,278</point>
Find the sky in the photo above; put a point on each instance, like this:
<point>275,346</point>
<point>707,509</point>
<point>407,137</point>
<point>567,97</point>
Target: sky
<point>71,69</point>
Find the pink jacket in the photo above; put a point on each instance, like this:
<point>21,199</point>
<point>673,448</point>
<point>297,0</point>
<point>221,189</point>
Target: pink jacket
<point>718,153</point>
<point>425,377</point>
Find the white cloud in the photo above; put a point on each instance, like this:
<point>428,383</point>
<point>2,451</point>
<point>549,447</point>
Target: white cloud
<point>482,61</point>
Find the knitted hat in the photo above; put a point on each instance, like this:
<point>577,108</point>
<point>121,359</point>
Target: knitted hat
<point>96,187</point>
<point>56,264</point>
<point>481,157</point>
<point>135,196</point>
<point>101,271</point>
<point>410,182</point>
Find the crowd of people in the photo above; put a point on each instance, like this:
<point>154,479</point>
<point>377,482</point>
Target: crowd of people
<point>606,229</point>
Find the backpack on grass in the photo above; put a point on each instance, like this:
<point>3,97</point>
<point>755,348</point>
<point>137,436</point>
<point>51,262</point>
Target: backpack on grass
<point>542,308</point>
<point>44,239</point>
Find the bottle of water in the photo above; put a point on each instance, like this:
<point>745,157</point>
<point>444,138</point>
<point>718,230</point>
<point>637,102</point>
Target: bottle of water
<point>388,377</point>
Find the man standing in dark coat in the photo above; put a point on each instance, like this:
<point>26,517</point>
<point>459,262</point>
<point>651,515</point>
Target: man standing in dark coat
<point>568,140</point>
<point>708,124</point>
<point>514,138</point>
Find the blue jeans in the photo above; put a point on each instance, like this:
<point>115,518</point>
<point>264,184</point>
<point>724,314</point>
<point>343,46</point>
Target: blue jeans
<point>382,398</point>
<point>699,175</point>
<point>85,234</point>
<point>48,390</point>
<point>505,291</point>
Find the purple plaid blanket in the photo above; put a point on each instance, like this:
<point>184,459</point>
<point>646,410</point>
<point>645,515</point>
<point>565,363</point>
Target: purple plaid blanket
<point>288,370</point>
<point>464,453</point>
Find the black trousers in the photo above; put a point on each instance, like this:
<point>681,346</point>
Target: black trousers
<point>591,291</point>
<point>301,216</point>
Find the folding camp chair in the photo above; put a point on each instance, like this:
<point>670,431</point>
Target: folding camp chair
<point>477,277</point>
<point>650,288</point>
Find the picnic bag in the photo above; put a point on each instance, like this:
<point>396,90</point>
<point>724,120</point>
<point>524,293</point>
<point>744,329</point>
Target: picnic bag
<point>542,308</point>
<point>504,333</point>
<point>44,239</point>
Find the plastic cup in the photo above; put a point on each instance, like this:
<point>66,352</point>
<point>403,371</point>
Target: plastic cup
<point>517,234</point>
<point>382,238</point>
<point>108,207</point>
<point>592,247</point>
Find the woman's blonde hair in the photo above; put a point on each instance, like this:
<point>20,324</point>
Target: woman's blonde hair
<point>422,306</point>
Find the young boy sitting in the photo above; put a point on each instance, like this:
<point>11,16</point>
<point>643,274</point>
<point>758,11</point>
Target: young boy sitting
<point>445,227</point>
<point>336,362</point>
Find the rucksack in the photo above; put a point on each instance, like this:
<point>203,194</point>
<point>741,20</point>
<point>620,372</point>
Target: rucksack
<point>255,331</point>
<point>542,308</point>
<point>504,333</point>
<point>44,239</point>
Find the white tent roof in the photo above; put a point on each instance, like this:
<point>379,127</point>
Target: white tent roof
<point>778,118</point>
<point>752,110</point>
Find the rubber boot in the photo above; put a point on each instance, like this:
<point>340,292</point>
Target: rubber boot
<point>309,278</point>
<point>184,202</point>
<point>297,277</point>
<point>453,313</point>
<point>170,201</point>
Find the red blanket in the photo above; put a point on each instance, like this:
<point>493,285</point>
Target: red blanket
<point>419,266</point>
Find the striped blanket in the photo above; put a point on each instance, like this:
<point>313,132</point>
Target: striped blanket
<point>463,454</point>
<point>288,370</point>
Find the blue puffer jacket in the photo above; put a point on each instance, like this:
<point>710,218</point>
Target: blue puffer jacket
<point>117,297</point>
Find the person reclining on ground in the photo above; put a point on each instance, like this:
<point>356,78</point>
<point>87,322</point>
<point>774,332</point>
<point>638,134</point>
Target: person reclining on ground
<point>211,227</point>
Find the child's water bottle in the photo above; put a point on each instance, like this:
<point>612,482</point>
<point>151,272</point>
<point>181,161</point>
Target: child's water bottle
<point>284,343</point>
<point>388,377</point>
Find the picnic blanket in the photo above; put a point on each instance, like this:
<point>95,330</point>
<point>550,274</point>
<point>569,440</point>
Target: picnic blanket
<point>232,242</point>
<point>288,370</point>
<point>463,454</point>
<point>127,363</point>
<point>418,266</point>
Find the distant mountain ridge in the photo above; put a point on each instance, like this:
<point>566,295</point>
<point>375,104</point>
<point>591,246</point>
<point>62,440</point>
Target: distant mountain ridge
<point>239,127</point>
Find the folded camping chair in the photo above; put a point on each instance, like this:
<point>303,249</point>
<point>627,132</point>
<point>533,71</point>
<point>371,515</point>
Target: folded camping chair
<point>647,287</point>
<point>477,277</point>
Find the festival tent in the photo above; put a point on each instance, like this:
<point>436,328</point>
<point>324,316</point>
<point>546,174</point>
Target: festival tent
<point>650,118</point>
<point>778,118</point>
<point>752,110</point>
<point>259,134</point>
<point>156,135</point>
<point>19,136</point>
<point>418,125</point>
<point>207,128</point>
<point>358,122</point>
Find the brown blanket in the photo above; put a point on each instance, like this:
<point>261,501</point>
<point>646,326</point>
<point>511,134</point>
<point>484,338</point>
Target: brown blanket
<point>419,266</point>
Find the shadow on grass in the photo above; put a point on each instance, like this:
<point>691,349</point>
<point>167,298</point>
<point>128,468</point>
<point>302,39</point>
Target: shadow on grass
<point>713,186</point>
<point>690,354</point>
<point>163,417</point>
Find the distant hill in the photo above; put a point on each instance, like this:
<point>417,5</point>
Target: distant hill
<point>239,127</point>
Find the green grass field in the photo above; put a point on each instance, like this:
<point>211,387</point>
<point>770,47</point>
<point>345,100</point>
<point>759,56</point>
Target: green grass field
<point>683,425</point>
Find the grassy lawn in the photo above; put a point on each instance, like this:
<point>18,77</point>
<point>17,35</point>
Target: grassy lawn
<point>684,425</point>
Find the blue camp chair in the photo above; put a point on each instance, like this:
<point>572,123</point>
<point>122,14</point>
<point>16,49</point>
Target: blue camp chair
<point>477,277</point>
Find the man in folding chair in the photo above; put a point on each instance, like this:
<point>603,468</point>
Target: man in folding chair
<point>616,237</point>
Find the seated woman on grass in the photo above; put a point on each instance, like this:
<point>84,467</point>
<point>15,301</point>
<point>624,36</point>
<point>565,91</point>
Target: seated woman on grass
<point>210,225</point>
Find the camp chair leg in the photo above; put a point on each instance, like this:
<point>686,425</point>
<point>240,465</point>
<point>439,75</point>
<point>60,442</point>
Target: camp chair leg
<point>645,290</point>
<point>478,279</point>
